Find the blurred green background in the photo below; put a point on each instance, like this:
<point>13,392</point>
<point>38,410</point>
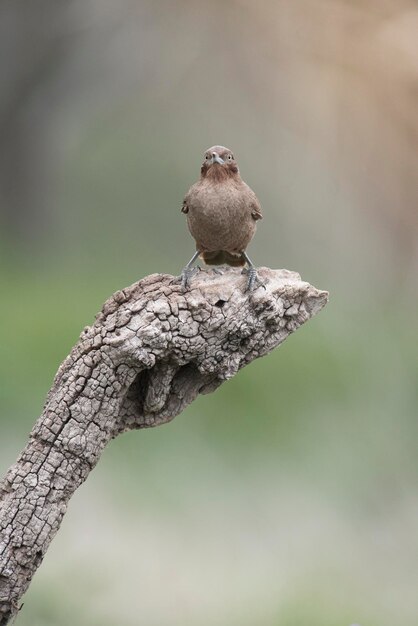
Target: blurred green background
<point>290,496</point>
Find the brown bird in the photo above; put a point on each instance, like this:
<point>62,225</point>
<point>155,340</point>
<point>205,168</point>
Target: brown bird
<point>222,213</point>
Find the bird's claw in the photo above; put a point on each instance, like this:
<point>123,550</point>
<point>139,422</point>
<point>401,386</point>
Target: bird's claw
<point>186,275</point>
<point>252,278</point>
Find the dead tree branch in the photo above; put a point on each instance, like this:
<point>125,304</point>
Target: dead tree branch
<point>151,351</point>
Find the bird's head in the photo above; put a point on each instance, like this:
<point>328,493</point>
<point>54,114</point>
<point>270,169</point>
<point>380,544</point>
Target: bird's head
<point>219,163</point>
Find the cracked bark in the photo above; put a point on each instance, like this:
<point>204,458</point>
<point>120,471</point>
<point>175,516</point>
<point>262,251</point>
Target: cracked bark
<point>151,350</point>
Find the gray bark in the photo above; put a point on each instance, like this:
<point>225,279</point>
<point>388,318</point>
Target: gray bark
<point>152,349</point>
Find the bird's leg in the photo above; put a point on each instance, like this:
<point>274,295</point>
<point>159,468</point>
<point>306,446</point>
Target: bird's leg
<point>251,271</point>
<point>189,270</point>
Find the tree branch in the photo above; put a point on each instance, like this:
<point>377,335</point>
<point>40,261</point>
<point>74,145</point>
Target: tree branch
<point>151,351</point>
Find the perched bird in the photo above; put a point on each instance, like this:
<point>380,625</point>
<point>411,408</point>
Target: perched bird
<point>222,213</point>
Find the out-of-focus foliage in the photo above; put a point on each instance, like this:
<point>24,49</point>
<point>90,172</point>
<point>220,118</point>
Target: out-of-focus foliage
<point>290,495</point>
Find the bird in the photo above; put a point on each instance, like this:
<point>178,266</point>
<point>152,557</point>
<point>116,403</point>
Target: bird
<point>222,214</point>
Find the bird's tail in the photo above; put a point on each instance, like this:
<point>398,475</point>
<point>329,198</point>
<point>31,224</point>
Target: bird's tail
<point>222,256</point>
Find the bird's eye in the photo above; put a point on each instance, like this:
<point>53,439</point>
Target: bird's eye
<point>230,157</point>
<point>207,157</point>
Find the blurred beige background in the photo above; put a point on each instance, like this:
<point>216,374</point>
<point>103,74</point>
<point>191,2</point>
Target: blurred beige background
<point>289,497</point>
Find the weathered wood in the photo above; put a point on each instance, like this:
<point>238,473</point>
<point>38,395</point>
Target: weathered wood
<point>151,351</point>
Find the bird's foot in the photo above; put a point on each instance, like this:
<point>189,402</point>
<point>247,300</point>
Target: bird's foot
<point>252,277</point>
<point>186,275</point>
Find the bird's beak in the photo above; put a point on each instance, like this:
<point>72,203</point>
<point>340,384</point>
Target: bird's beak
<point>217,159</point>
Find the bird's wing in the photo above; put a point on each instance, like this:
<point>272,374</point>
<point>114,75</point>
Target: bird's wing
<point>188,199</point>
<point>253,203</point>
<point>256,213</point>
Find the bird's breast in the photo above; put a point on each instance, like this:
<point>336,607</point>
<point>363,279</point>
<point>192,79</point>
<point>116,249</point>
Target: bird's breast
<point>219,217</point>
